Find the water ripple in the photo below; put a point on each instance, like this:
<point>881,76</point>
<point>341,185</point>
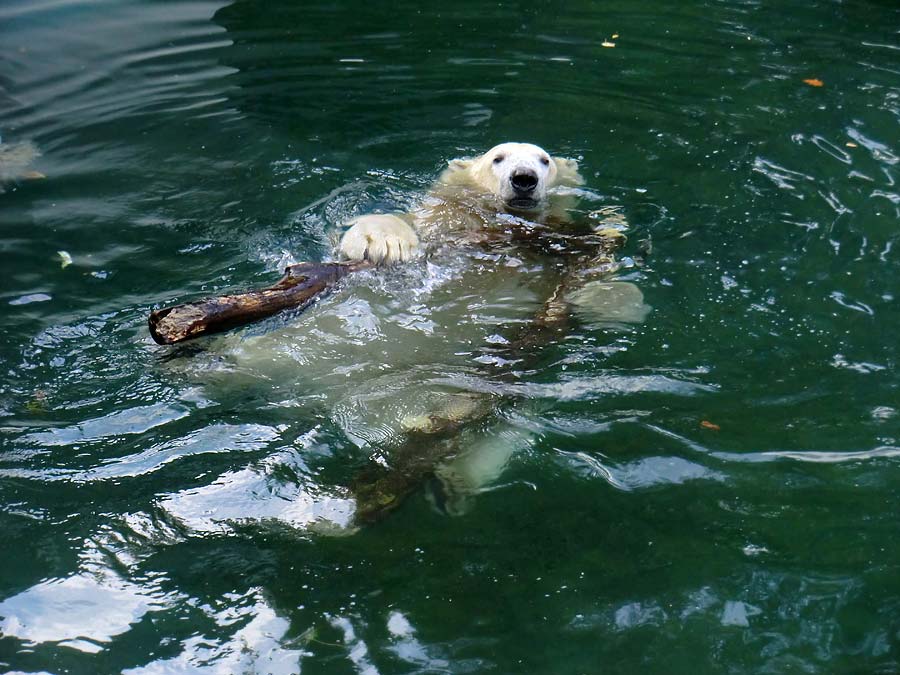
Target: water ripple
<point>714,474</point>
<point>256,643</point>
<point>136,420</point>
<point>217,438</point>
<point>81,611</point>
<point>643,473</point>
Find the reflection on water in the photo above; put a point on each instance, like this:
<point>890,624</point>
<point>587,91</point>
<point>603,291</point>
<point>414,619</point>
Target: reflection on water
<point>256,646</point>
<point>707,486</point>
<point>258,494</point>
<point>76,612</point>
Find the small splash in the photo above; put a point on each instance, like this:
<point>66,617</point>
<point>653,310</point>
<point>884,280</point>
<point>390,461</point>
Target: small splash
<point>637,614</point>
<point>784,178</point>
<point>738,613</point>
<point>31,299</point>
<point>862,367</point>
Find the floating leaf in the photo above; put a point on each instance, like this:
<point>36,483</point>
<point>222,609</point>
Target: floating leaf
<point>65,258</point>
<point>615,35</point>
<point>606,43</point>
<point>38,404</point>
<point>814,82</point>
<point>706,424</point>
<point>850,144</point>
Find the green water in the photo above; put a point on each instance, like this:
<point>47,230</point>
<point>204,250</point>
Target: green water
<point>714,489</point>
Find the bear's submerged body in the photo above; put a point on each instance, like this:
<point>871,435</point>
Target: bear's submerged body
<point>415,352</point>
<point>420,364</point>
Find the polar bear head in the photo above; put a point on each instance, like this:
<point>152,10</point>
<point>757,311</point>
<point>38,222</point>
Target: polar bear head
<point>520,174</point>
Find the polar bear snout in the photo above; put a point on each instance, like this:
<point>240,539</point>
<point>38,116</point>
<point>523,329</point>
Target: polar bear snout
<point>519,174</point>
<point>524,182</point>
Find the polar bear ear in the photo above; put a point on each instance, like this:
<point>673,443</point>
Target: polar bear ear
<point>457,171</point>
<point>567,172</point>
<point>460,164</point>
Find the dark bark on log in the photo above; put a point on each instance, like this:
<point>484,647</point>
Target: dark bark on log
<point>299,286</point>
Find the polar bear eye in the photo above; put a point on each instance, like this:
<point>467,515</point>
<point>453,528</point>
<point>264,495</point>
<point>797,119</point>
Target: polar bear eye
<point>545,161</point>
<point>498,159</point>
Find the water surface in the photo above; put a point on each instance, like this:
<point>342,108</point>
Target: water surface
<point>711,490</point>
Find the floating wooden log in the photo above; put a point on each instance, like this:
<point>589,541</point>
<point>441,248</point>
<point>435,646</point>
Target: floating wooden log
<point>299,286</point>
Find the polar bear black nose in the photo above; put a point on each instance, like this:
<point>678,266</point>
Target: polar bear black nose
<point>524,182</point>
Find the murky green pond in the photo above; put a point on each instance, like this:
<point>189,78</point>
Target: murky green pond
<point>713,489</point>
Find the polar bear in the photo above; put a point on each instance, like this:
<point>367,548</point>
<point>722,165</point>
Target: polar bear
<point>476,201</point>
<point>417,363</point>
<point>516,177</point>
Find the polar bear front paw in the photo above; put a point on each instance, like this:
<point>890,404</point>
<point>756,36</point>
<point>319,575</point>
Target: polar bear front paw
<point>379,239</point>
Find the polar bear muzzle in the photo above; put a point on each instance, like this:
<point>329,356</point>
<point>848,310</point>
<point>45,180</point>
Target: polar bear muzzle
<point>524,183</point>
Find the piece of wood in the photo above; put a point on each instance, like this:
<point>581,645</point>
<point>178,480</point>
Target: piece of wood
<point>299,286</point>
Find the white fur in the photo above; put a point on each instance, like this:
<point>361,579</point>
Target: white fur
<point>379,239</point>
<point>479,465</point>
<point>388,238</point>
<point>603,302</point>
<point>492,172</point>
